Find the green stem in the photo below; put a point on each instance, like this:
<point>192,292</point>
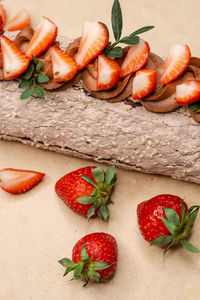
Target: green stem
<point>112,46</point>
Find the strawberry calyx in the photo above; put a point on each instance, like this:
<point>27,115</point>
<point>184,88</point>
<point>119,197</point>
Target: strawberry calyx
<point>100,198</point>
<point>180,229</point>
<point>85,269</point>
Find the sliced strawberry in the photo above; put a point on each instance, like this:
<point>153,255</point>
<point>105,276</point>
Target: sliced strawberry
<point>1,24</point>
<point>108,72</point>
<point>42,39</point>
<point>144,83</point>
<point>188,92</point>
<point>3,13</point>
<point>177,61</point>
<point>16,181</point>
<point>94,39</point>
<point>135,59</point>
<point>15,62</point>
<point>19,22</point>
<point>64,65</point>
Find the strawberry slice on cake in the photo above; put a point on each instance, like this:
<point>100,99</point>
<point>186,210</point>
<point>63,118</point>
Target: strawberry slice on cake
<point>188,92</point>
<point>108,72</point>
<point>144,83</point>
<point>64,65</point>
<point>18,22</point>
<point>15,62</point>
<point>176,63</point>
<point>42,39</point>
<point>135,59</point>
<point>94,39</point>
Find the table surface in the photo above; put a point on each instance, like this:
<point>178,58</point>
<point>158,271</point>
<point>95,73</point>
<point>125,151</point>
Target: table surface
<point>37,229</point>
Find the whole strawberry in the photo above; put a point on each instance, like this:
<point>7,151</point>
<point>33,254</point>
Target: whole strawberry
<point>165,220</point>
<point>94,257</point>
<point>87,191</point>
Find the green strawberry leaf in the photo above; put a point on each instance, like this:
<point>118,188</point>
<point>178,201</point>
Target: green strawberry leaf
<point>172,216</point>
<point>78,269</point>
<point>89,180</point>
<point>91,212</point>
<point>84,255</point>
<point>98,175</point>
<point>193,216</point>
<point>69,269</point>
<point>86,199</point>
<point>105,212</point>
<point>195,106</point>
<point>39,91</point>
<point>66,262</point>
<point>95,276</point>
<point>114,52</point>
<point>110,175</point>
<point>189,247</point>
<point>116,18</point>
<point>182,210</point>
<point>130,40</point>
<point>24,83</point>
<point>162,240</point>
<point>42,78</point>
<point>39,66</point>
<point>100,265</point>
<point>27,93</point>
<point>170,226</point>
<point>191,208</point>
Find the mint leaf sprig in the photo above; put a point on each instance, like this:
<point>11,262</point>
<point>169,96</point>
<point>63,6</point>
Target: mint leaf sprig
<point>30,79</point>
<point>117,24</point>
<point>194,106</point>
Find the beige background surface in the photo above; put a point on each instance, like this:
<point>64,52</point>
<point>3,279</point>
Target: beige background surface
<point>37,229</point>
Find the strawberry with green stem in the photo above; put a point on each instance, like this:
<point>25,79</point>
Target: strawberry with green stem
<point>31,78</point>
<point>87,191</point>
<point>94,257</point>
<point>165,220</point>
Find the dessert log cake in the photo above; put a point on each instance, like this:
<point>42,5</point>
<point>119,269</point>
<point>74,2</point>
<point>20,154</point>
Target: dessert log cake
<point>135,111</point>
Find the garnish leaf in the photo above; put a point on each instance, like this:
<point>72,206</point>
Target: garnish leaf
<point>170,226</point>
<point>130,40</point>
<point>28,74</point>
<point>114,52</point>
<point>98,175</point>
<point>105,212</point>
<point>42,78</point>
<point>172,215</point>
<point>189,247</point>
<point>142,30</point>
<point>86,199</point>
<point>24,83</point>
<point>110,175</point>
<point>91,212</point>
<point>39,66</point>
<point>84,255</point>
<point>39,91</point>
<point>94,275</point>
<point>100,265</point>
<point>66,262</point>
<point>27,93</point>
<point>162,240</point>
<point>34,59</point>
<point>116,18</point>
<point>89,180</point>
<point>194,106</point>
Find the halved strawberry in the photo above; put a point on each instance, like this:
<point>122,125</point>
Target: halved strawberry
<point>135,59</point>
<point>42,39</point>
<point>94,39</point>
<point>144,83</point>
<point>15,62</point>
<point>64,65</point>
<point>18,22</point>
<point>16,181</point>
<point>3,13</point>
<point>177,61</point>
<point>108,72</point>
<point>188,92</point>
